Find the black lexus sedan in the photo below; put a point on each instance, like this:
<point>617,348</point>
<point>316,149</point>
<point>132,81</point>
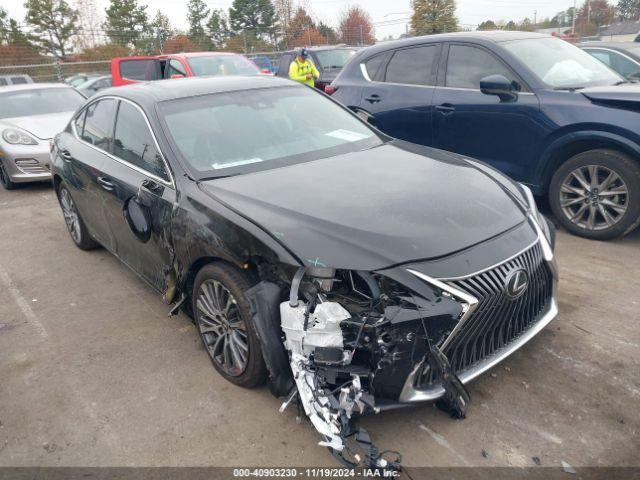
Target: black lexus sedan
<point>351,271</point>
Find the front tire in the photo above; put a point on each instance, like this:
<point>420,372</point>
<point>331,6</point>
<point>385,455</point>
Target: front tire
<point>224,322</point>
<point>75,225</point>
<point>5,180</point>
<point>596,194</point>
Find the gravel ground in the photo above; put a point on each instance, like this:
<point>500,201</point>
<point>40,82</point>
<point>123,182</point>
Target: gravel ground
<point>94,373</point>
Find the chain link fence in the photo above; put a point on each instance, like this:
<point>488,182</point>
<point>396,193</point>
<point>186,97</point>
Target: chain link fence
<point>56,71</point>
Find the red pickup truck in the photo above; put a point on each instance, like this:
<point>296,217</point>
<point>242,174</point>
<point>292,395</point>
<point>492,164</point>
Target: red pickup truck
<point>126,70</point>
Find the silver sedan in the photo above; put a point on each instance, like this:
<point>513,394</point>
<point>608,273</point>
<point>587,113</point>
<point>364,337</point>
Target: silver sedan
<point>30,116</point>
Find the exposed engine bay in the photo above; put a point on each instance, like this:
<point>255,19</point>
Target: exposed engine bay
<point>350,340</point>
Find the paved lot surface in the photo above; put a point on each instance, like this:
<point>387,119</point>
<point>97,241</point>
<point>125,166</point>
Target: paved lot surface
<point>93,372</point>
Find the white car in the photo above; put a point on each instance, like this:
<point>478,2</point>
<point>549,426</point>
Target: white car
<point>30,116</point>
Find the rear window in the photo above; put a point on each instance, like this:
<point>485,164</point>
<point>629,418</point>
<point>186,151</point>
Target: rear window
<point>334,59</point>
<point>139,69</point>
<point>18,80</point>
<point>222,65</point>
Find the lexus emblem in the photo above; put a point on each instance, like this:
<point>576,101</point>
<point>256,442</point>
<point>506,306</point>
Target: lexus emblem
<point>517,283</point>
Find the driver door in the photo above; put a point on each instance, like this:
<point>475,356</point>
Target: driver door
<point>504,134</point>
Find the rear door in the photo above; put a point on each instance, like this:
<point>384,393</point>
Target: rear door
<point>127,70</point>
<point>400,92</point>
<point>284,64</point>
<point>505,134</point>
<point>83,155</point>
<point>137,168</point>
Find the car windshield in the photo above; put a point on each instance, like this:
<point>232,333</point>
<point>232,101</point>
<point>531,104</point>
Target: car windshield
<point>238,132</point>
<point>334,59</point>
<point>560,64</point>
<point>42,101</point>
<point>217,65</point>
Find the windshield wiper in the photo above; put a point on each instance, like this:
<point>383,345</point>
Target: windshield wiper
<point>621,82</point>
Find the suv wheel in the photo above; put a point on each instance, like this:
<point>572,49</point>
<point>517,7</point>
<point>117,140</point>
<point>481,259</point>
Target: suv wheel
<point>596,194</point>
<point>5,180</point>
<point>225,324</point>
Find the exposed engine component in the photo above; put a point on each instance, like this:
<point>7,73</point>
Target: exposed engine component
<point>351,339</point>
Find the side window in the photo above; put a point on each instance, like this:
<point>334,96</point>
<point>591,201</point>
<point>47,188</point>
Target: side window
<point>466,66</point>
<point>176,68</point>
<point>3,82</point>
<point>624,65</point>
<point>78,123</point>
<point>142,70</point>
<point>375,66</point>
<point>98,124</point>
<point>413,66</point>
<point>601,56</point>
<point>134,143</point>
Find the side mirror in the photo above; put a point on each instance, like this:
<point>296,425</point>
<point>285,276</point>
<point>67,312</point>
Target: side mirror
<point>499,85</point>
<point>177,75</point>
<point>138,216</point>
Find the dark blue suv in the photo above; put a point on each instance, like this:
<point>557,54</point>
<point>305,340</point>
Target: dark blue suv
<point>535,107</point>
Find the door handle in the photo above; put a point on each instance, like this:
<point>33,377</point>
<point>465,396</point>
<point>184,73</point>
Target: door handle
<point>65,155</point>
<point>446,109</point>
<point>375,98</point>
<point>106,184</point>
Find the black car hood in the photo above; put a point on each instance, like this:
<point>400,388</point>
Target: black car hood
<point>622,96</point>
<point>373,209</point>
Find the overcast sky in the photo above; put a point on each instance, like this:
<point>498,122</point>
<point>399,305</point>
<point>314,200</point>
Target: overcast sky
<point>470,12</point>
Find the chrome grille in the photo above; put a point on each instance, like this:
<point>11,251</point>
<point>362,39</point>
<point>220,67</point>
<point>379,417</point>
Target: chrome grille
<point>498,319</point>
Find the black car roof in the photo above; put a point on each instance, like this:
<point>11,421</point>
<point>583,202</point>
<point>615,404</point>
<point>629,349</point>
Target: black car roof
<point>147,93</point>
<point>497,36</point>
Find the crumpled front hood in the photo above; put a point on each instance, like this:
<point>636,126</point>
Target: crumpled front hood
<point>42,126</point>
<point>373,209</point>
<point>626,95</point>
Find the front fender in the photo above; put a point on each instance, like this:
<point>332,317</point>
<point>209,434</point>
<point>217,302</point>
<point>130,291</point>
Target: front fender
<point>572,143</point>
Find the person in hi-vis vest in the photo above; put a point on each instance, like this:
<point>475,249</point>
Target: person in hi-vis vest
<point>302,68</point>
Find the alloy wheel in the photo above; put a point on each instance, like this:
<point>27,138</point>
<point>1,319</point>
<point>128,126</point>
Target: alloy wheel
<point>70,215</point>
<point>221,327</point>
<point>594,197</point>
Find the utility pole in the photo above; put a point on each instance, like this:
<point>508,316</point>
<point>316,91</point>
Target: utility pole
<point>535,18</point>
<point>361,36</point>
<point>573,19</point>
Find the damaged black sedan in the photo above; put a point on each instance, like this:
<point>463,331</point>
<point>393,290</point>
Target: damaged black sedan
<point>351,271</point>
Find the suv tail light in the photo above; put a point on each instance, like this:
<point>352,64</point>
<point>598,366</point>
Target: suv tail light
<point>330,89</point>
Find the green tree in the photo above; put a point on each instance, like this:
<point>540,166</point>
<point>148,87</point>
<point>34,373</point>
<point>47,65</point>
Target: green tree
<point>4,26</point>
<point>255,15</point>
<point>511,25</point>
<point>488,25</point>
<point>127,22</point>
<point>197,13</point>
<point>327,32</point>
<point>52,22</point>
<point>218,29</point>
<point>629,9</point>
<point>161,29</point>
<point>433,16</point>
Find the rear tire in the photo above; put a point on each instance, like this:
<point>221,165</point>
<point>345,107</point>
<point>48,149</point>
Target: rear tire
<point>596,194</point>
<point>5,180</point>
<point>75,225</point>
<point>222,316</point>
